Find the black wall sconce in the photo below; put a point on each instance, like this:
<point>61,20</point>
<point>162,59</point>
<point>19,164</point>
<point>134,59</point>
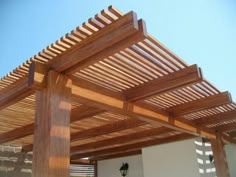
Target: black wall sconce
<point>211,158</point>
<point>124,169</point>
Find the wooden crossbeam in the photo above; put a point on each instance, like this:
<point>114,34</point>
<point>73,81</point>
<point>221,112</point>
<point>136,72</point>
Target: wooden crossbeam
<point>181,78</point>
<point>107,128</point>
<point>232,134</point>
<point>131,146</point>
<point>17,133</point>
<point>14,94</point>
<point>86,94</point>
<point>77,114</point>
<point>101,130</point>
<point>201,104</point>
<point>117,155</point>
<point>225,116</point>
<point>226,127</point>
<point>121,139</point>
<point>121,34</point>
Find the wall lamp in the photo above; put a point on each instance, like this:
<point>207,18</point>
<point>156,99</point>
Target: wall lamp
<point>124,169</point>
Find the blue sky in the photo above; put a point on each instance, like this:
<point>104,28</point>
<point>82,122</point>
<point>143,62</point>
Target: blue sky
<point>201,32</point>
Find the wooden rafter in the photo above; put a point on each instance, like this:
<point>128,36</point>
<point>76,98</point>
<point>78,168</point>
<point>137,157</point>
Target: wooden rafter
<point>120,139</point>
<point>225,116</point>
<point>131,146</point>
<point>198,105</point>
<point>77,114</point>
<point>122,33</point>
<point>181,78</point>
<point>117,155</point>
<point>100,130</point>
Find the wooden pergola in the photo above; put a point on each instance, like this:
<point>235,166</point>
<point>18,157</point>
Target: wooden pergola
<point>107,89</point>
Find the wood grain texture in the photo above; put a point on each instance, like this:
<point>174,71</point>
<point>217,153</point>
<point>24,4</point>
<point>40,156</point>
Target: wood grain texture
<point>172,81</point>
<point>201,104</point>
<point>107,128</point>
<point>52,128</point>
<point>225,116</point>
<point>126,26</point>
<point>221,165</point>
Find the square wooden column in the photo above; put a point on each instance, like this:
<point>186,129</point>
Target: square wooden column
<point>51,150</point>
<point>220,160</point>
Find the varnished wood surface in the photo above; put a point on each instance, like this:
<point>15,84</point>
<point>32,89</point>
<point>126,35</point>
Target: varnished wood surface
<point>124,81</point>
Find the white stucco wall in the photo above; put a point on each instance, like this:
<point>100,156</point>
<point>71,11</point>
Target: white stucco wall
<point>110,168</point>
<point>178,159</point>
<point>230,150</point>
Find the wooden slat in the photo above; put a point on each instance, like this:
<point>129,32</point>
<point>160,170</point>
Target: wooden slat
<point>201,104</point>
<point>131,146</point>
<point>120,139</point>
<point>107,128</point>
<point>108,36</point>
<point>12,95</point>
<point>17,133</point>
<point>172,81</point>
<point>77,114</point>
<point>219,157</point>
<point>51,153</point>
<point>139,35</point>
<point>225,116</point>
<point>110,102</point>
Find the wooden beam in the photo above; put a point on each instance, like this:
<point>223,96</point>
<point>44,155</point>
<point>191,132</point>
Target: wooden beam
<point>225,116</point>
<point>181,78</point>
<point>121,139</point>
<point>99,44</point>
<point>219,157</point>
<point>201,104</point>
<point>111,103</point>
<point>98,131</point>
<point>232,134</point>
<point>107,128</point>
<point>51,152</point>
<point>226,128</point>
<point>83,92</point>
<point>17,133</point>
<point>117,155</point>
<point>77,114</point>
<point>20,90</point>
<point>131,146</point>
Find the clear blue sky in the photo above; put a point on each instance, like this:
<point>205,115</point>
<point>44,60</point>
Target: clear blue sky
<point>201,32</point>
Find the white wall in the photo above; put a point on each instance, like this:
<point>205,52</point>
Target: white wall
<point>230,150</point>
<point>178,159</point>
<point>110,168</point>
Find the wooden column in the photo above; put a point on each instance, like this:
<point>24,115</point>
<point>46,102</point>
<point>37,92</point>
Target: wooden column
<point>219,157</point>
<point>51,152</point>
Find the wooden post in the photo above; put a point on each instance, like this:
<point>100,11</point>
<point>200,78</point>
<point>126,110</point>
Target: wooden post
<point>51,152</point>
<point>219,157</point>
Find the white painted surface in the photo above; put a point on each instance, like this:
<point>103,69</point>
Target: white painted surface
<point>177,159</point>
<point>110,168</point>
<point>230,150</point>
